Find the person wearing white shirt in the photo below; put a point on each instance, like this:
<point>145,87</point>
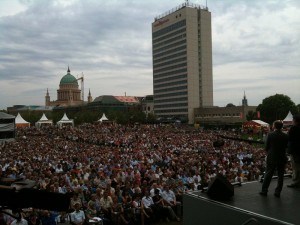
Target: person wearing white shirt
<point>197,176</point>
<point>147,200</point>
<point>154,186</point>
<point>170,199</point>
<point>20,221</point>
<point>148,204</point>
<point>59,169</point>
<point>78,216</point>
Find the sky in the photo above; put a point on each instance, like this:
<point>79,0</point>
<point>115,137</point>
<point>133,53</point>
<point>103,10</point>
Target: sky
<point>256,48</point>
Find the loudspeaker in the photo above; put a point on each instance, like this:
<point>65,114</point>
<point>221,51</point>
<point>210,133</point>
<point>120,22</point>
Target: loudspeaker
<point>220,188</point>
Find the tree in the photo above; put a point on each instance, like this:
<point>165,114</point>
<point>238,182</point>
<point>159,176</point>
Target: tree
<point>230,105</point>
<point>276,107</point>
<point>151,118</point>
<point>84,116</point>
<point>138,116</point>
<point>251,115</point>
<point>31,116</point>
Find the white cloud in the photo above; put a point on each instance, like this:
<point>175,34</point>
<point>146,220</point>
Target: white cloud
<point>11,7</point>
<point>255,48</point>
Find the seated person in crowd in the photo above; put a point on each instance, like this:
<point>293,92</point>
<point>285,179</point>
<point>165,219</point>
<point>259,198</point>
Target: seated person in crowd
<point>148,205</point>
<point>77,217</point>
<point>164,211</point>
<point>75,199</point>
<point>91,211</point>
<point>170,200</point>
<point>138,209</point>
<point>117,212</point>
<point>106,204</point>
<point>48,217</point>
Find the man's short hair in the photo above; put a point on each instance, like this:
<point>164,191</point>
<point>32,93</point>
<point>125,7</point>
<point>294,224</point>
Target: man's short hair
<point>278,124</point>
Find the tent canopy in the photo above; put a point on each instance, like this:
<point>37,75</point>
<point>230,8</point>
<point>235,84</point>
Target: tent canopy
<point>43,121</point>
<point>20,122</point>
<point>288,118</point>
<point>261,123</point>
<point>65,120</point>
<point>44,118</point>
<point>103,118</point>
<point>255,124</point>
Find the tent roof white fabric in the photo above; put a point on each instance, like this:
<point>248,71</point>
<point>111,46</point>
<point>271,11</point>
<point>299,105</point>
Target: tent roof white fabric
<point>103,118</point>
<point>65,120</point>
<point>260,122</point>
<point>20,120</point>
<point>289,117</point>
<point>43,118</point>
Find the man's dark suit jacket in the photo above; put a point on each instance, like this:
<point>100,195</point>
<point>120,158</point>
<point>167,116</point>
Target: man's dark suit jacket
<point>294,142</point>
<point>276,145</point>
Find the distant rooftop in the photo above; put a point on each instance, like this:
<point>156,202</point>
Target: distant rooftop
<point>117,99</point>
<point>186,4</point>
<point>127,99</point>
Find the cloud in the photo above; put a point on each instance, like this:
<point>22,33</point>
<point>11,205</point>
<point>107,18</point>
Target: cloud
<point>257,33</point>
<point>255,46</point>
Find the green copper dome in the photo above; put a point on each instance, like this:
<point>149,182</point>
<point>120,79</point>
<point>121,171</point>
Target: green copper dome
<point>68,79</point>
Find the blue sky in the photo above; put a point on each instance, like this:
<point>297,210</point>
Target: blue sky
<point>256,48</point>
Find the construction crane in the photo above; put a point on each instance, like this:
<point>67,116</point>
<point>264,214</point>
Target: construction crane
<point>82,86</point>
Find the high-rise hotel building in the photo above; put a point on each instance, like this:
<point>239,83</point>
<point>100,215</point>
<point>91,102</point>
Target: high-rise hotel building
<point>182,62</point>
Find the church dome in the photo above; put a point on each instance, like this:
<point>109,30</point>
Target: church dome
<point>68,79</point>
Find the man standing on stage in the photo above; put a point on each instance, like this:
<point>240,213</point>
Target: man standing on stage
<point>276,145</point>
<point>294,150</point>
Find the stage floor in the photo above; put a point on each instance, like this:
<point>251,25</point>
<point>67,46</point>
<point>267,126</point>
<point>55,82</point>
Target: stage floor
<point>246,197</point>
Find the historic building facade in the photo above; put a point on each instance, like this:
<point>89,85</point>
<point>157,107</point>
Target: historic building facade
<point>68,93</point>
<point>229,115</point>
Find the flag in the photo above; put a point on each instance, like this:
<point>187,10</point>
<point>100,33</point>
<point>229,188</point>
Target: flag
<point>241,115</point>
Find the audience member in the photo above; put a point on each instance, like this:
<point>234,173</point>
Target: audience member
<point>294,150</point>
<point>126,161</point>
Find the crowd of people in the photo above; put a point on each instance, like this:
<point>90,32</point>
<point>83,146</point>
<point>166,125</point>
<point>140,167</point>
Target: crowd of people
<point>125,174</point>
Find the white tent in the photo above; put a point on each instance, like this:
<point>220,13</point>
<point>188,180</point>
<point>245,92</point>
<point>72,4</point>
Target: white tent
<point>261,123</point>
<point>43,121</point>
<point>288,120</point>
<point>103,118</point>
<point>20,122</point>
<point>65,121</point>
<point>256,125</point>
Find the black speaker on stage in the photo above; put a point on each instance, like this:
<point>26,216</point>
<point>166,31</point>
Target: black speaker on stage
<point>220,188</point>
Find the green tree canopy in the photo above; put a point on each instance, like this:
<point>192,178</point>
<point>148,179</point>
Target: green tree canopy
<point>276,107</point>
<point>230,105</point>
<point>251,115</point>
